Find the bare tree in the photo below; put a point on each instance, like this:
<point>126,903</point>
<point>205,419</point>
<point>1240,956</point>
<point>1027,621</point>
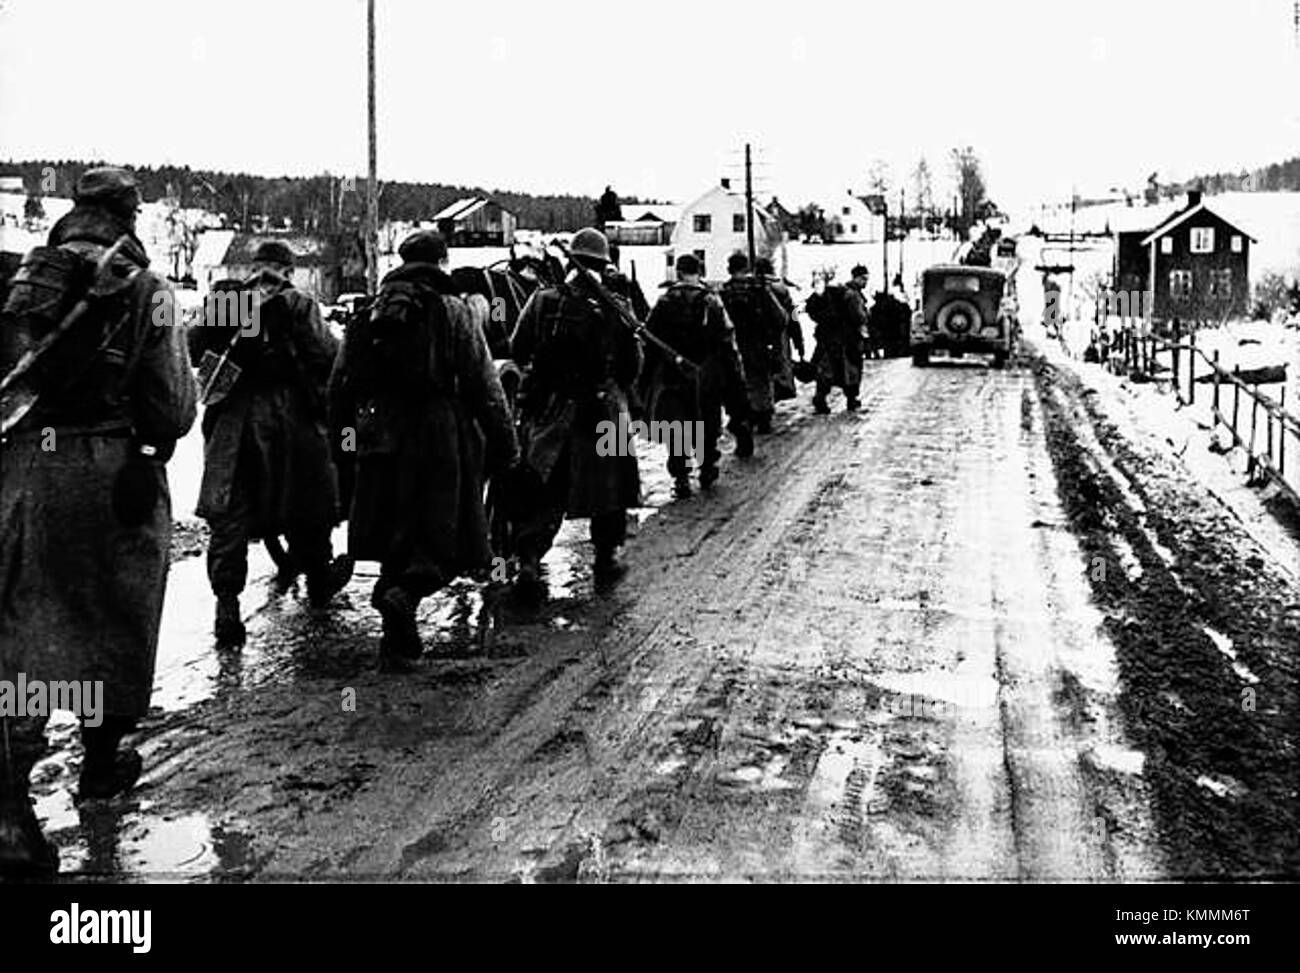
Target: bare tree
<point>971,192</point>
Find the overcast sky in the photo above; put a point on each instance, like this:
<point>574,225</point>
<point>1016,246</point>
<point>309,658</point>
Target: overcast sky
<point>657,97</point>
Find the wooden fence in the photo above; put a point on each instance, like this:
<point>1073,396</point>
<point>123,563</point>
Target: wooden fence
<point>1258,423</point>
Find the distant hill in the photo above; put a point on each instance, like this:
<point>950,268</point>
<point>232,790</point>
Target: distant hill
<point>321,203</point>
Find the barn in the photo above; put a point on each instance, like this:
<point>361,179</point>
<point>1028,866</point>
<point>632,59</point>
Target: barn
<point>318,265</point>
<point>1198,261</point>
<point>476,221</point>
<point>647,224</point>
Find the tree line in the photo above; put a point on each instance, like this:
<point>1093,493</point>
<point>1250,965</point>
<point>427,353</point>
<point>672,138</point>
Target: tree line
<point>323,203</point>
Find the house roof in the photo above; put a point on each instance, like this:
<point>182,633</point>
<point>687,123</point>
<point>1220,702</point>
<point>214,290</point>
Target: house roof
<point>463,208</point>
<point>308,251</point>
<point>657,212</point>
<point>1183,216</point>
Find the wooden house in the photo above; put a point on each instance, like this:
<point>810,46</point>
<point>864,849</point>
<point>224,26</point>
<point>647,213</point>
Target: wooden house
<point>1193,265</point>
<point>476,221</point>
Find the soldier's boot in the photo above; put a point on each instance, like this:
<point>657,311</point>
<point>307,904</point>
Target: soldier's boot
<point>852,404</point>
<point>326,582</point>
<point>820,405</point>
<point>529,588</point>
<point>607,568</point>
<point>228,626</point>
<point>763,423</point>
<point>400,645</point>
<point>107,770</point>
<point>744,439</point>
<point>708,477</point>
<point>25,853</point>
<point>682,486</point>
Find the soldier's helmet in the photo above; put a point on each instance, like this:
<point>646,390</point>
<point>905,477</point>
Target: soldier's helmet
<point>108,186</point>
<point>591,243</point>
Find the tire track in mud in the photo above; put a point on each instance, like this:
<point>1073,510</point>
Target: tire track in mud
<point>1203,626</point>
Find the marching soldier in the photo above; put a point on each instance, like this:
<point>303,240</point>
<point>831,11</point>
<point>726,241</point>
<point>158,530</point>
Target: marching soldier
<point>85,514</point>
<point>783,383</point>
<point>581,362</point>
<point>416,383</point>
<point>267,465</point>
<point>690,318</point>
<point>757,332</point>
<point>841,316</point>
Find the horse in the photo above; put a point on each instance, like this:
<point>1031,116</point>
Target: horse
<point>507,285</point>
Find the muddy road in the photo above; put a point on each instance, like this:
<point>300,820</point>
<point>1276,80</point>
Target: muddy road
<point>888,647</point>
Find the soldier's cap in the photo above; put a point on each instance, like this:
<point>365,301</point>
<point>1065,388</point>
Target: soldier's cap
<point>736,263</point>
<point>688,263</point>
<point>107,186</point>
<point>423,247</point>
<point>589,242</point>
<point>859,271</point>
<point>763,265</point>
<point>275,252</point>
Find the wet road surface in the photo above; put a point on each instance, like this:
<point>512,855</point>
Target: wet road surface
<point>875,652</point>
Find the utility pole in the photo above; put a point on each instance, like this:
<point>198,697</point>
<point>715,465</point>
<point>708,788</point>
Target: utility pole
<point>749,206</point>
<point>884,241</point>
<point>372,196</point>
<point>902,235</point>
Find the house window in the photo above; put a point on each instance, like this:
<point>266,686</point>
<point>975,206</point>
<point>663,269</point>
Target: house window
<point>1220,285</point>
<point>844,211</point>
<point>1180,285</point>
<point>737,222</point>
<point>1237,243</point>
<point>1202,239</point>
<point>702,223</point>
<point>853,228</point>
<point>1166,244</point>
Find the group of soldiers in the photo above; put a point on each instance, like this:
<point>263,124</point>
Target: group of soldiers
<point>397,429</point>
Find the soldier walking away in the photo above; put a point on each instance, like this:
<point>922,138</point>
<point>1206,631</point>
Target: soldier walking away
<point>691,319</point>
<point>790,338</point>
<point>581,361</point>
<point>758,325</point>
<point>415,379</point>
<point>268,468</point>
<point>841,317</point>
<point>85,513</point>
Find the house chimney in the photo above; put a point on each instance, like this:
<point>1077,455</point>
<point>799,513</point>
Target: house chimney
<point>726,183</point>
<point>1193,198</point>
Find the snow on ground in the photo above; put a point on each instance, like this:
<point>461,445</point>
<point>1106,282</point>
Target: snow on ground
<point>1146,412</point>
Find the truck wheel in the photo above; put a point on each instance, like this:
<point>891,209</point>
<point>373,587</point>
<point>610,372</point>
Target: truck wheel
<point>999,359</point>
<point>920,357</point>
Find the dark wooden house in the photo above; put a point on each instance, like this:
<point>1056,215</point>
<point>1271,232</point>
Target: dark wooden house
<point>476,222</point>
<point>1198,262</point>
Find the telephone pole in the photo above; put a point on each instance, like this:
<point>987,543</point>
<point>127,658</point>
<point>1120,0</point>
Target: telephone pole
<point>372,196</point>
<point>902,231</point>
<point>749,205</point>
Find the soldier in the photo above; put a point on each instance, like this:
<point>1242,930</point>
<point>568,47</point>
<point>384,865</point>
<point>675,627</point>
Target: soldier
<point>415,380</point>
<point>690,319</point>
<point>783,383</point>
<point>85,514</point>
<point>758,330</point>
<point>841,316</point>
<point>267,465</point>
<point>582,360</point>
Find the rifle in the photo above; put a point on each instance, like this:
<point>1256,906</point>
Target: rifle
<point>609,302</point>
<point>16,400</point>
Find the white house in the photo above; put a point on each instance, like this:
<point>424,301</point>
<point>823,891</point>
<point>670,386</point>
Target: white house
<point>851,220</point>
<point>714,226</point>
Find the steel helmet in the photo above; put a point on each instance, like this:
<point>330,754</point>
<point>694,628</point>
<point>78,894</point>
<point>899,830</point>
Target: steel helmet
<point>590,242</point>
